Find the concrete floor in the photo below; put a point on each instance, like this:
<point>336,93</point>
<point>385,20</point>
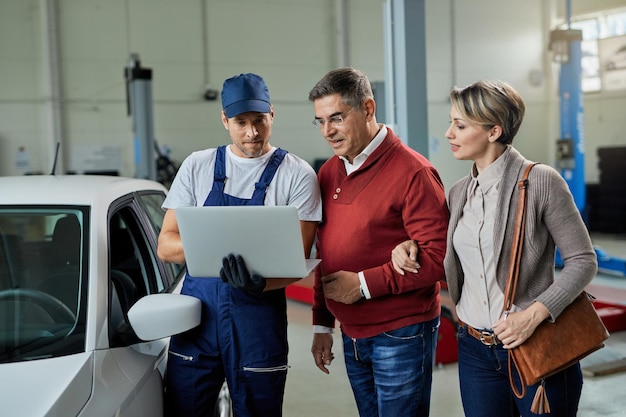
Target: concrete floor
<point>310,392</point>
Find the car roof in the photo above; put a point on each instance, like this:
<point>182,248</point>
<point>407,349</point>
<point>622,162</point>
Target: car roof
<point>70,189</point>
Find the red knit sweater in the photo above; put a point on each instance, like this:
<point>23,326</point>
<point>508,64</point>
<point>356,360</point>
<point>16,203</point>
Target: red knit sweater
<point>394,196</point>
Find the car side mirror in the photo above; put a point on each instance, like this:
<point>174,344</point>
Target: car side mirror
<point>157,316</point>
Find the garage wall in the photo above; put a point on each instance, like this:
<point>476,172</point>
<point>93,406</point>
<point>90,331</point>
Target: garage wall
<point>471,40</point>
<point>292,43</point>
<point>20,81</point>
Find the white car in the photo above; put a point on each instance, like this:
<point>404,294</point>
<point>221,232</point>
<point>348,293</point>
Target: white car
<point>76,253</point>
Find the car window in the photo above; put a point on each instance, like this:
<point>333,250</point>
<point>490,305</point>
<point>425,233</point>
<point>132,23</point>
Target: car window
<point>43,281</point>
<point>155,212</point>
<point>134,269</point>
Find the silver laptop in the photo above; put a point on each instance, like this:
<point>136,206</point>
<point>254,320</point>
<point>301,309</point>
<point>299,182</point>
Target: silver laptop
<point>267,237</point>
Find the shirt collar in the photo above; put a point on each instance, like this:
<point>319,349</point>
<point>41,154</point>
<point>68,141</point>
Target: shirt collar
<point>371,147</point>
<point>493,173</point>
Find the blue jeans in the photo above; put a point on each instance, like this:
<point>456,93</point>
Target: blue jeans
<point>486,391</point>
<point>391,373</point>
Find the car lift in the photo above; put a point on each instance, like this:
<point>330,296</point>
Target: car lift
<point>139,106</point>
<point>570,157</point>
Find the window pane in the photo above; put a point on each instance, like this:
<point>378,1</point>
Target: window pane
<point>590,66</point>
<point>153,203</point>
<point>616,24</point>
<point>589,27</point>
<point>43,281</point>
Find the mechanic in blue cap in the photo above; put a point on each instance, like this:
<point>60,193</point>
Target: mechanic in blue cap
<point>243,334</point>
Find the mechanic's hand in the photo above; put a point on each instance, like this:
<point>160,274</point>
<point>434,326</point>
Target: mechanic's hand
<point>235,272</point>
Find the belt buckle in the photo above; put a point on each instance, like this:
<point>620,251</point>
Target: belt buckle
<point>484,334</point>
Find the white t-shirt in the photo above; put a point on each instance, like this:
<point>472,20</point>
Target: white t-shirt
<point>295,183</point>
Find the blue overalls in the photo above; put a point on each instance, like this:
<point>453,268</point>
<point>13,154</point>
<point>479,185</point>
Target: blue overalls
<point>242,337</point>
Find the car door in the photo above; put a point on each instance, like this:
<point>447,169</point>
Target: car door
<point>135,271</point>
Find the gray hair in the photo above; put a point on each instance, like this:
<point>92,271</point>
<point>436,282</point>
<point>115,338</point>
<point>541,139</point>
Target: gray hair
<point>351,84</point>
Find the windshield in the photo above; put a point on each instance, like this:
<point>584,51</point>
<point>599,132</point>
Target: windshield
<point>42,281</point>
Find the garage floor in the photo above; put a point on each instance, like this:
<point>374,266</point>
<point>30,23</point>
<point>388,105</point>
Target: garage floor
<point>310,392</point>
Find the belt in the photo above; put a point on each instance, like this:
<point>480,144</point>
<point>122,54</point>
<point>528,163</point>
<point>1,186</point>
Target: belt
<point>487,337</point>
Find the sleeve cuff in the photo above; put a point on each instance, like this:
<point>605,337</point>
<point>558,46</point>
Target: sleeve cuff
<point>322,329</point>
<point>366,291</point>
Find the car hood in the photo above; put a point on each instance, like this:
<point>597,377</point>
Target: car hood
<point>46,387</point>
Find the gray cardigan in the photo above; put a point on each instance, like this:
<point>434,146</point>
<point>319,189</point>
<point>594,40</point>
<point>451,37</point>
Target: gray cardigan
<point>552,218</point>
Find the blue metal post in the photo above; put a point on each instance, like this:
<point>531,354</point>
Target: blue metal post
<point>572,164</point>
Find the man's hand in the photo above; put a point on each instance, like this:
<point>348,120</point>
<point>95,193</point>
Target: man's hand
<point>322,350</point>
<point>235,272</point>
<point>404,257</point>
<point>342,286</point>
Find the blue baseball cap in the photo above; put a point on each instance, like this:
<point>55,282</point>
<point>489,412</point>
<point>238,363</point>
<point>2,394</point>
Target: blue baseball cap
<point>243,93</point>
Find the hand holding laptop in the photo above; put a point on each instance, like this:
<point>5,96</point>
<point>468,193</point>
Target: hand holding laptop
<point>235,272</point>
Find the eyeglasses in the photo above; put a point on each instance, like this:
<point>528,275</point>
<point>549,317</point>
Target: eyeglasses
<point>332,120</point>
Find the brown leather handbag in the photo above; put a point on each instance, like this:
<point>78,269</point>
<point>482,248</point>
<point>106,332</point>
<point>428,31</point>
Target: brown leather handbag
<point>554,346</point>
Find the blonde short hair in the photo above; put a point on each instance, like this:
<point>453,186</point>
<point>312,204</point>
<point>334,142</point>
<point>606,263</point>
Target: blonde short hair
<point>490,103</point>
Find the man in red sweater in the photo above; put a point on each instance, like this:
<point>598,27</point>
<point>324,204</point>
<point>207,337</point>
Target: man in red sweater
<point>376,193</point>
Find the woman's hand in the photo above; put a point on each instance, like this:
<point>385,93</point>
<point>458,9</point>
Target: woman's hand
<point>516,328</point>
<point>404,257</point>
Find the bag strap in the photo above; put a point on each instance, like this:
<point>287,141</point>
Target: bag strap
<point>518,241</point>
<point>512,363</point>
<point>514,264</point>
